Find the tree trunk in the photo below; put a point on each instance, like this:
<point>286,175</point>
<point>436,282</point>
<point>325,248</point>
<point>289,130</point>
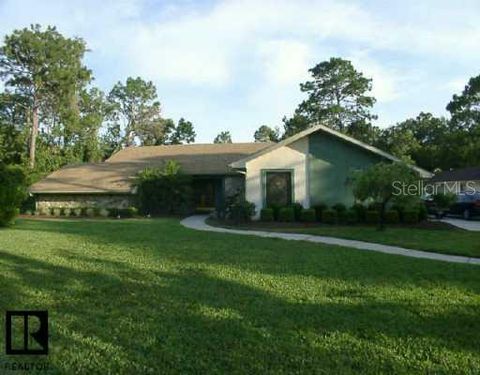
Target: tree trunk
<point>34,133</point>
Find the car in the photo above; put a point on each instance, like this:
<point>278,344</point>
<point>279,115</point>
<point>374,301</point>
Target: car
<point>467,205</point>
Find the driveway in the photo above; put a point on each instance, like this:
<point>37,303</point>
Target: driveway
<point>464,224</point>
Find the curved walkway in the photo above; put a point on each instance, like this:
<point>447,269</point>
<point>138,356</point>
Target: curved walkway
<point>198,222</point>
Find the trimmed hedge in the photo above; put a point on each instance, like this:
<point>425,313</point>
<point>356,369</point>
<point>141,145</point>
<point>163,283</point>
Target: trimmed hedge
<point>329,216</point>
<point>308,215</point>
<point>360,210</point>
<point>351,216</point>
<point>297,209</point>
<point>318,210</point>
<point>372,217</point>
<point>422,212</point>
<point>339,207</point>
<point>286,214</point>
<point>266,214</point>
<point>410,217</point>
<point>392,217</point>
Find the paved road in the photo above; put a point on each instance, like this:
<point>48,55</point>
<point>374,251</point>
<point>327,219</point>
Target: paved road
<point>198,222</point>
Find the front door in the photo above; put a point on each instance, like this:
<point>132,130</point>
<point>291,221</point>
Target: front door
<point>204,193</point>
<point>278,188</point>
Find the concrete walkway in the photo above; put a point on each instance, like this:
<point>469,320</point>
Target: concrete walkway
<point>463,224</point>
<point>198,222</point>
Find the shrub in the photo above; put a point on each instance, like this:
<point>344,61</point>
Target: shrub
<point>104,212</point>
<point>392,217</point>
<point>342,217</point>
<point>28,212</point>
<point>422,212</point>
<point>164,191</point>
<point>372,217</point>
<point>329,216</point>
<point>124,212</point>
<point>308,215</point>
<point>339,207</point>
<point>351,216</point>
<point>318,210</point>
<point>132,211</point>
<point>56,211</point>
<point>286,214</point>
<point>360,210</point>
<point>241,211</point>
<point>45,211</point>
<point>12,192</point>
<point>399,208</point>
<point>37,213</point>
<point>297,209</point>
<point>276,210</point>
<point>90,212</point>
<point>410,216</point>
<point>77,212</point>
<point>266,214</point>
<point>67,211</point>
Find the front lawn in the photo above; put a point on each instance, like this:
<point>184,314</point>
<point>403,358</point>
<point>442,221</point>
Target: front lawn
<point>149,296</point>
<point>435,237</point>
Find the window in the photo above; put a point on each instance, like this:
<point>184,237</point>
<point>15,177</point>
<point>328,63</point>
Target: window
<point>278,188</point>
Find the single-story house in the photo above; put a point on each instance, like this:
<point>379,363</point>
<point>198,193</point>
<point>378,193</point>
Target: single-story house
<point>314,166</point>
<point>458,180</point>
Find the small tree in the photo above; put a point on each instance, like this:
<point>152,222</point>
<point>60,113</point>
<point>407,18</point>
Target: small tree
<point>164,190</point>
<point>12,192</point>
<point>384,183</point>
<point>442,202</point>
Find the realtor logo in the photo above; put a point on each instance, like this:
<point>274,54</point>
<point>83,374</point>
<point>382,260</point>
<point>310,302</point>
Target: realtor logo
<point>26,332</point>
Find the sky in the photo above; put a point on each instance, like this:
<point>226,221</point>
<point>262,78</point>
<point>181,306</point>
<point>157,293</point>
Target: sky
<point>236,65</point>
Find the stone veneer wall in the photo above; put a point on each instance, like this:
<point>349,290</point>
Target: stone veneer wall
<point>234,184</point>
<point>43,201</point>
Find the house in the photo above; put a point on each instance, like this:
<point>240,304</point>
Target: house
<point>458,180</point>
<point>314,166</point>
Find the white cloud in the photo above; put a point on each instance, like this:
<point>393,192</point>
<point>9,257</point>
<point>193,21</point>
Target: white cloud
<point>257,52</point>
<point>285,62</point>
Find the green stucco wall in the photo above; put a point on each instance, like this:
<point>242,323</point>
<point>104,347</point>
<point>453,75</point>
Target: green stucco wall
<point>331,164</point>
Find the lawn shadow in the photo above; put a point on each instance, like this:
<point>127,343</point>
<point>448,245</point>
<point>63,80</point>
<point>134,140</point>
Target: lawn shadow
<point>126,318</point>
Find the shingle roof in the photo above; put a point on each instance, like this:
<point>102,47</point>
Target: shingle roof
<point>464,174</point>
<point>115,175</point>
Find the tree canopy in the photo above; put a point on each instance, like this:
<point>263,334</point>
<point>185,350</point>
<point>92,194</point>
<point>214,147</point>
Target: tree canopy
<point>46,69</point>
<point>337,95</point>
<point>266,134</point>
<point>223,137</point>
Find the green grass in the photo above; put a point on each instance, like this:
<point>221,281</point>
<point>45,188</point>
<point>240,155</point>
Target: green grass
<point>446,240</point>
<point>149,296</point>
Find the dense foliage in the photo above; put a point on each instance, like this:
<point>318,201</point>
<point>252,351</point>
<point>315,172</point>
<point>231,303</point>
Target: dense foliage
<point>12,192</point>
<point>164,190</point>
<point>51,115</point>
<point>380,184</point>
<point>223,137</point>
<point>338,96</point>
